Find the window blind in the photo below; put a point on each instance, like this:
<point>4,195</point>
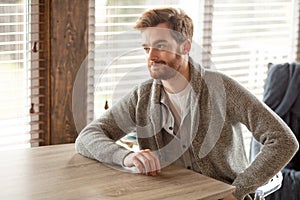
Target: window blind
<point>119,62</point>
<point>14,120</point>
<point>207,33</point>
<point>91,63</point>
<point>247,35</point>
<point>37,61</point>
<point>239,38</point>
<point>20,57</point>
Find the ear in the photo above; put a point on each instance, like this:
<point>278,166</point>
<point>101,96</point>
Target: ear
<point>186,46</point>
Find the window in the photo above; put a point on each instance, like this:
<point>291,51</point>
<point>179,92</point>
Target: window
<point>21,72</point>
<point>232,31</point>
<point>239,37</point>
<point>119,61</point>
<point>14,103</point>
<point>247,35</point>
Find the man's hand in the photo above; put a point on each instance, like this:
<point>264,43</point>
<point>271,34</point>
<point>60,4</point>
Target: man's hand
<point>145,161</point>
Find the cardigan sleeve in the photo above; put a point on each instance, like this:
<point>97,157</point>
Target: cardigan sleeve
<point>279,143</point>
<point>98,139</point>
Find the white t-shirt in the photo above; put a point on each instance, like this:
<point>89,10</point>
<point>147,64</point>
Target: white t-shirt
<point>179,103</point>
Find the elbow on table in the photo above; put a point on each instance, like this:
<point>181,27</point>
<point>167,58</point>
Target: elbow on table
<point>78,144</point>
<point>80,147</point>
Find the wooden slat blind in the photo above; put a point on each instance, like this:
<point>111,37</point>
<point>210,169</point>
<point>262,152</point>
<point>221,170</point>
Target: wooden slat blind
<point>119,59</point>
<point>207,33</point>
<point>91,62</point>
<point>246,35</point>
<point>13,74</point>
<point>38,52</point>
<point>238,38</point>
<point>23,56</point>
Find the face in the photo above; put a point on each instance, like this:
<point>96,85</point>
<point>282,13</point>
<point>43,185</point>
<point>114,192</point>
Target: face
<point>162,52</point>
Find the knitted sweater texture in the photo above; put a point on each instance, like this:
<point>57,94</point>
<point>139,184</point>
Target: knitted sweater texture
<point>219,105</point>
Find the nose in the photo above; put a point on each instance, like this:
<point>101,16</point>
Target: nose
<point>153,54</point>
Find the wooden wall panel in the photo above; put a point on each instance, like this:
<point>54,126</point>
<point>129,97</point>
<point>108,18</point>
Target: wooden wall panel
<point>69,47</point>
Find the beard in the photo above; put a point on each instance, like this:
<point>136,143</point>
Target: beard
<point>164,70</point>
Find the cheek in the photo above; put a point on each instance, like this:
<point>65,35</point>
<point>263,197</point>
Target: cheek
<point>169,55</point>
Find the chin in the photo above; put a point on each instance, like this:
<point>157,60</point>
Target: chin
<point>162,76</point>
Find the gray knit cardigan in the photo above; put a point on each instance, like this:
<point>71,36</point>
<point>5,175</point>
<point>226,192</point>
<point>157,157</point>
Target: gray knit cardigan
<point>219,105</point>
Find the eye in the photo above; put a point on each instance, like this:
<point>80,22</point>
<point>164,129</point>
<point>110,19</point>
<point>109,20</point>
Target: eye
<point>161,46</point>
<point>147,49</point>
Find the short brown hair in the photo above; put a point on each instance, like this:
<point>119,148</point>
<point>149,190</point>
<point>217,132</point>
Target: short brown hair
<point>177,19</point>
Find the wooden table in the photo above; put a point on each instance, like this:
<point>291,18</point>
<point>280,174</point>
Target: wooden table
<point>59,173</point>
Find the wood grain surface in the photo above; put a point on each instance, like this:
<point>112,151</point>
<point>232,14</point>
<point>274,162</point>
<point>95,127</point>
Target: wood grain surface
<point>58,172</point>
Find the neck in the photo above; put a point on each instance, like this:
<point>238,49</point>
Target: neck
<point>179,81</point>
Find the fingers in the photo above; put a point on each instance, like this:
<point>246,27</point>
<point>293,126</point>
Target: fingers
<point>150,162</point>
<point>145,161</point>
<point>137,163</point>
<point>154,164</point>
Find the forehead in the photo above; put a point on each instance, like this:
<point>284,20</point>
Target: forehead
<point>151,35</point>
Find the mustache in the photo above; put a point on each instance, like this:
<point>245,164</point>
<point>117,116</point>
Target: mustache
<point>158,62</point>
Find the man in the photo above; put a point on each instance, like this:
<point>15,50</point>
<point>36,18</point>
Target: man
<point>188,116</point>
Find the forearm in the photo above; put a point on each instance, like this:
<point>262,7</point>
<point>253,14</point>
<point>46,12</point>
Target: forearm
<point>93,143</point>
